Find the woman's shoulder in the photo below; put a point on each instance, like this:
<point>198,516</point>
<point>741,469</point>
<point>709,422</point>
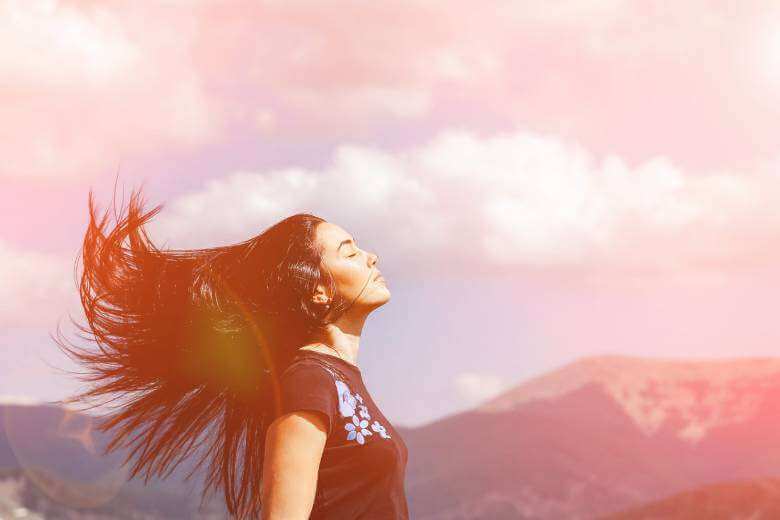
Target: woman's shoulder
<point>310,367</point>
<point>338,368</point>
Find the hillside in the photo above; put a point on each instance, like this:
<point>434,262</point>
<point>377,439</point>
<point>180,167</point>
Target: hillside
<point>595,437</point>
<point>751,500</point>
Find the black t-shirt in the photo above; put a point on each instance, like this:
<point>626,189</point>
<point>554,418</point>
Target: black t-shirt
<point>361,473</point>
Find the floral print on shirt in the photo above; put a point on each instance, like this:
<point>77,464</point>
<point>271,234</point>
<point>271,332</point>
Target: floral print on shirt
<point>357,425</point>
<point>347,401</point>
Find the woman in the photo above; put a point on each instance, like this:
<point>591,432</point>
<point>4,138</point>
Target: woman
<point>248,354</point>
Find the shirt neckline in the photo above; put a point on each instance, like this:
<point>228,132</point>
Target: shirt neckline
<point>331,357</point>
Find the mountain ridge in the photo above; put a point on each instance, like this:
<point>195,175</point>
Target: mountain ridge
<point>703,393</point>
<point>561,445</point>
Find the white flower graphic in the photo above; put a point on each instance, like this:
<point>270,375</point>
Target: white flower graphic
<point>346,401</point>
<point>380,429</point>
<point>364,411</point>
<point>357,429</point>
<point>357,396</point>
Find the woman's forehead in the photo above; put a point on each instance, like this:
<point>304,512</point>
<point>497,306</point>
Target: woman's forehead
<point>332,234</point>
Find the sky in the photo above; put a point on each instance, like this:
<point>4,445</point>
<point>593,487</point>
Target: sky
<point>542,181</point>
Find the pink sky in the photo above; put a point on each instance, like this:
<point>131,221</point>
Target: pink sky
<point>541,183</point>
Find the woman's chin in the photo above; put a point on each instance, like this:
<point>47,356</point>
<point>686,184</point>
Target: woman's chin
<point>383,295</point>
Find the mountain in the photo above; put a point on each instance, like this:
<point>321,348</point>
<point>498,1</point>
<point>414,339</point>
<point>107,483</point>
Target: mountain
<point>51,463</point>
<point>597,436</point>
<point>754,500</point>
<point>702,394</point>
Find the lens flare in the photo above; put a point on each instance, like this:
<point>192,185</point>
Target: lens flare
<point>59,451</point>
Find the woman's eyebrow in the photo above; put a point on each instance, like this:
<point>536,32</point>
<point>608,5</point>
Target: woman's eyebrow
<point>347,241</point>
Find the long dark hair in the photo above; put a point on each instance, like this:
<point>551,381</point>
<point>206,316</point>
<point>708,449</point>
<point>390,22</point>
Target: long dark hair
<point>193,343</point>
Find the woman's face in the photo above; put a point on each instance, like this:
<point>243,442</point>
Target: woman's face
<point>352,268</point>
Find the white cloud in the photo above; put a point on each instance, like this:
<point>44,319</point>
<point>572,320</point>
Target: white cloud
<point>37,288</point>
<point>466,205</point>
<point>46,44</point>
<point>88,85</point>
<point>760,57</point>
<point>474,387</point>
<point>85,88</point>
<point>19,399</point>
<point>362,102</point>
<point>508,201</point>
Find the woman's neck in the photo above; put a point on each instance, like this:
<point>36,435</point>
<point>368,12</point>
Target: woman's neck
<point>335,351</point>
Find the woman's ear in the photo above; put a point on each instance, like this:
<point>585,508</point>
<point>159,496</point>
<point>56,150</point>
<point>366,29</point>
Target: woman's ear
<point>321,302</point>
<point>320,297</point>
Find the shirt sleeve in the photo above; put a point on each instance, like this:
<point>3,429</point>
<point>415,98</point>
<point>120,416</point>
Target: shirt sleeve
<point>309,387</point>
